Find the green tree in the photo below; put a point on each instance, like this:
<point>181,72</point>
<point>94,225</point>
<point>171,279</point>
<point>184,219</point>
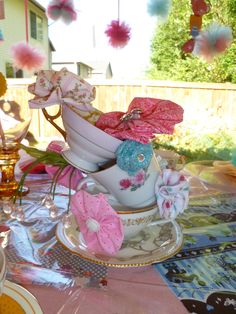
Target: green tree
<point>169,62</point>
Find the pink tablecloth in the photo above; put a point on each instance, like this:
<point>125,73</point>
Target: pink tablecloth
<point>129,291</point>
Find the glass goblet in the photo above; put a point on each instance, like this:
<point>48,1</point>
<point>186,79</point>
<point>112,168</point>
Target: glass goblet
<point>14,123</point>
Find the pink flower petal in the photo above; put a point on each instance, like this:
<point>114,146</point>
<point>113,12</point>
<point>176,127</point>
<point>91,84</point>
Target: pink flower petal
<point>109,237</point>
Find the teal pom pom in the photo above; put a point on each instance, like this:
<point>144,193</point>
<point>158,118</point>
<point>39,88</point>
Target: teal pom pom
<point>233,160</point>
<point>1,35</point>
<point>159,8</point>
<point>133,156</point>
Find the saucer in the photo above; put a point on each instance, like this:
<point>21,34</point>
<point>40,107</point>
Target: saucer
<point>16,299</point>
<point>158,241</point>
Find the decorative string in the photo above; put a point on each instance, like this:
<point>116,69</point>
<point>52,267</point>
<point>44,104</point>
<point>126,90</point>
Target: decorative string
<point>26,21</point>
<point>118,10</point>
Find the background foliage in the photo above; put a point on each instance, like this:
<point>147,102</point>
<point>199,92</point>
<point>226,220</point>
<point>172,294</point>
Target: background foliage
<point>170,63</point>
<point>194,147</point>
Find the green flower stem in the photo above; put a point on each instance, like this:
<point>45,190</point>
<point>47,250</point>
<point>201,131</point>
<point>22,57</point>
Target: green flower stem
<point>70,183</point>
<point>51,158</point>
<point>26,172</point>
<point>55,178</point>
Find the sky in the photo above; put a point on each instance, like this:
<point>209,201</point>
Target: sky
<point>76,41</point>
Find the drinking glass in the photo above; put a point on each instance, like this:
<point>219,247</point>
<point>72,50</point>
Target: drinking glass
<point>14,123</point>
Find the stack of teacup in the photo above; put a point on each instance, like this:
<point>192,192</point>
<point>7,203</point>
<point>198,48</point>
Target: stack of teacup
<point>100,145</point>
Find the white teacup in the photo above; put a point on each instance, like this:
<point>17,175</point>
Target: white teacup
<point>89,146</point>
<point>136,192</point>
<point>133,220</point>
<point>2,269</point>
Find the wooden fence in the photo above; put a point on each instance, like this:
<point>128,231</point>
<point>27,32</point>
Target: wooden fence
<point>208,107</point>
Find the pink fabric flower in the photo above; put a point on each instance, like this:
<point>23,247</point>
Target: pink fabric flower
<point>172,193</point>
<point>70,176</point>
<point>99,224</point>
<point>145,118</point>
<point>59,87</point>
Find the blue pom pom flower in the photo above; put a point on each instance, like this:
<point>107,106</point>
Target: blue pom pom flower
<point>133,156</point>
<point>160,8</point>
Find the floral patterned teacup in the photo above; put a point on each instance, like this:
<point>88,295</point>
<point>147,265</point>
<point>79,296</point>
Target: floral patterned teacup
<point>135,191</point>
<point>133,220</point>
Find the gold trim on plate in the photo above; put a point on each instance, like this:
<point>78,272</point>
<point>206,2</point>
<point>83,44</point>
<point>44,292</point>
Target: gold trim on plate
<point>150,262</point>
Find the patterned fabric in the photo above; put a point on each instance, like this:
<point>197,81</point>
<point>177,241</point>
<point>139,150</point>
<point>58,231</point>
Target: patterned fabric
<point>58,87</point>
<point>172,193</point>
<point>209,233</point>
<point>145,118</point>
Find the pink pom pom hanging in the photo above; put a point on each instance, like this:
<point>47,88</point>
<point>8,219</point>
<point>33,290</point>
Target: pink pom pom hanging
<point>118,33</point>
<point>26,57</point>
<point>62,9</point>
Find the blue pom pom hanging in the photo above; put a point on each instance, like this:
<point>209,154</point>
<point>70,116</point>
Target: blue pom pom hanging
<point>159,8</point>
<point>1,36</point>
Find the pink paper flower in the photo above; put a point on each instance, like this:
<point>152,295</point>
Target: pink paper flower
<point>99,224</point>
<point>145,118</point>
<point>70,176</point>
<point>172,193</point>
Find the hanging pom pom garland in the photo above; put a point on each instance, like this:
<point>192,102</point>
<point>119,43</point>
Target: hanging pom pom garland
<point>213,41</point>
<point>118,33</point>
<point>199,8</point>
<point>159,8</point>
<point>62,9</point>
<point>26,57</point>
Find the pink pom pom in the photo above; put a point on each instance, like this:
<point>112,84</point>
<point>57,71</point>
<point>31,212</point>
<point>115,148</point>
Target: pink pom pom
<point>63,9</point>
<point>26,57</point>
<point>118,33</point>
